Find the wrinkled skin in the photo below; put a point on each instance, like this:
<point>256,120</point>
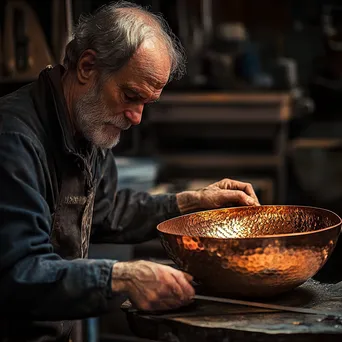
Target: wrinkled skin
<point>224,193</point>
<point>100,108</point>
<point>151,286</point>
<point>228,192</point>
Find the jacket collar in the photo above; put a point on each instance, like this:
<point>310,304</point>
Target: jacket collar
<point>52,77</point>
<point>50,103</point>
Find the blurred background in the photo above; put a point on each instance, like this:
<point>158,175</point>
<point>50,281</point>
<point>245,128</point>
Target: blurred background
<point>261,102</point>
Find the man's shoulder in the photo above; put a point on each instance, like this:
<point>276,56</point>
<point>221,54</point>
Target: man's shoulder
<point>19,99</point>
<point>15,110</point>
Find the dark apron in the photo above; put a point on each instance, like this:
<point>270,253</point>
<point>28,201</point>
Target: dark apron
<point>72,218</point>
<point>72,222</point>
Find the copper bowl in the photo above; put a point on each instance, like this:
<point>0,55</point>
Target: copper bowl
<point>251,251</point>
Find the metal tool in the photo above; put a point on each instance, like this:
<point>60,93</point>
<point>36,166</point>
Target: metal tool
<point>269,306</point>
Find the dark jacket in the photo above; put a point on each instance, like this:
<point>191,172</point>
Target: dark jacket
<point>56,195</point>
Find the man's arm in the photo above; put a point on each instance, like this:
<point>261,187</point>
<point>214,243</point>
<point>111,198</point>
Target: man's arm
<point>36,283</point>
<point>127,216</point>
<point>132,217</point>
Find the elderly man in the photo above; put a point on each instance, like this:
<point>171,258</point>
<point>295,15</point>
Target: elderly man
<point>58,180</point>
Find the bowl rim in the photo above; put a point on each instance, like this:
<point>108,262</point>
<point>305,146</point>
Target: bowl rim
<point>259,236</point>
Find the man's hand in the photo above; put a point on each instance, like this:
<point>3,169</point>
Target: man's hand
<point>224,193</point>
<point>151,286</point>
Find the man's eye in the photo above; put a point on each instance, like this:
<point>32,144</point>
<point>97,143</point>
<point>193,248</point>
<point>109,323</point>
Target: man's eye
<point>127,98</point>
<point>130,98</point>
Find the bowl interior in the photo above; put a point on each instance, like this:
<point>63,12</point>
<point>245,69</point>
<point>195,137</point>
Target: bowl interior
<point>249,222</point>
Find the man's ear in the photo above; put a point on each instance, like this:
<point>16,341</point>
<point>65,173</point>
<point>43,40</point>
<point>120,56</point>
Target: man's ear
<point>86,70</point>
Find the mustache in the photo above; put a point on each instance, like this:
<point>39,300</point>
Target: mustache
<point>121,126</point>
<point>91,108</point>
<point>119,121</point>
<point>125,127</point>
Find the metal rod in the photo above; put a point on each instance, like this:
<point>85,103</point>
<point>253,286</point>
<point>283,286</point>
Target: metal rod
<point>269,306</point>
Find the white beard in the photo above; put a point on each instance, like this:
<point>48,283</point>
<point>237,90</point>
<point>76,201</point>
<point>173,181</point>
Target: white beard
<point>92,117</point>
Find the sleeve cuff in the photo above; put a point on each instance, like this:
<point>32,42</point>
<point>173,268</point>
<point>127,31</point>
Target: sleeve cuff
<point>169,206</point>
<point>174,210</point>
<point>106,278</point>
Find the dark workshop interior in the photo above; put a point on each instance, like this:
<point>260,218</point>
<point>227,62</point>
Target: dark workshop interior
<point>261,102</point>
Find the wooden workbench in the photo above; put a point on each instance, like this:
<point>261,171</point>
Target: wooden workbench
<point>214,322</point>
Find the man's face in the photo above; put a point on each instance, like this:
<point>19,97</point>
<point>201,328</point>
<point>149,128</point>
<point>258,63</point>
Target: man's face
<point>110,106</point>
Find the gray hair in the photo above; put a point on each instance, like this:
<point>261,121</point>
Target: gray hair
<point>116,34</point>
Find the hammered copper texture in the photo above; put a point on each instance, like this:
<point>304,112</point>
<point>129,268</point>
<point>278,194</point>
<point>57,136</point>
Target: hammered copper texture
<point>252,251</point>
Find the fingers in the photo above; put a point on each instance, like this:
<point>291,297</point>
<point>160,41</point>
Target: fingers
<point>247,188</point>
<point>168,295</point>
<point>162,288</point>
<point>161,305</point>
<point>188,277</point>
<point>173,288</point>
<point>174,293</point>
<point>238,197</point>
<point>179,291</point>
<point>183,279</point>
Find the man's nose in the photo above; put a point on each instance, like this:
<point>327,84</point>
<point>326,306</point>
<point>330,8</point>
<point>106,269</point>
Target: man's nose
<point>134,114</point>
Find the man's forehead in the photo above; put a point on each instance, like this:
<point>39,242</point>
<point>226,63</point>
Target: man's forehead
<point>142,89</point>
<point>156,83</point>
<point>150,67</point>
<point>144,80</point>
